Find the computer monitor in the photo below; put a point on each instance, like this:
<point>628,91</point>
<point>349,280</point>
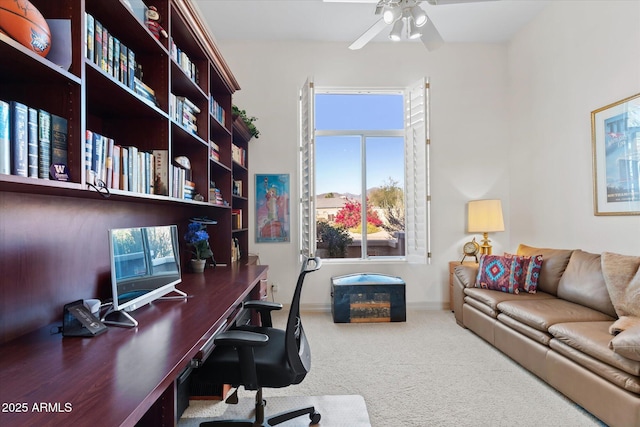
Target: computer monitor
<point>145,266</point>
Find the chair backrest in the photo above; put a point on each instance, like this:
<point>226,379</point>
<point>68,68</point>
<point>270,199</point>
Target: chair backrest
<point>296,345</point>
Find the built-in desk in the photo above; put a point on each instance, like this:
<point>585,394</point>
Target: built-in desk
<point>124,376</point>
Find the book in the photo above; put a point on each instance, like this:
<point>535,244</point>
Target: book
<point>116,172</point>
<point>90,36</point>
<point>131,68</point>
<point>59,144</point>
<point>19,138</point>
<point>110,55</point>
<point>134,169</point>
<point>5,150</point>
<point>161,180</point>
<point>97,157</point>
<point>97,44</point>
<point>116,59</point>
<point>124,169</point>
<point>32,144</point>
<point>108,162</point>
<point>105,50</point>
<point>90,173</point>
<point>44,144</point>
<point>124,53</point>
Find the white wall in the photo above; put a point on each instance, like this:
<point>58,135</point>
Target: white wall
<point>469,141</point>
<point>508,122</point>
<point>558,74</point>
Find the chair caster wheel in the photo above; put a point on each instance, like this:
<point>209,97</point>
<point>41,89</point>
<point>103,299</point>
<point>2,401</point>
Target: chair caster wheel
<point>315,417</point>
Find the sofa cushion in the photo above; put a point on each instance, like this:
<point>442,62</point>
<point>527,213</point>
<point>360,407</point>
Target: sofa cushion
<point>553,265</point>
<point>542,313</point>
<point>593,338</point>
<point>614,375</point>
<point>583,283</point>
<point>494,273</point>
<point>542,337</point>
<point>492,298</point>
<point>627,343</point>
<point>622,278</point>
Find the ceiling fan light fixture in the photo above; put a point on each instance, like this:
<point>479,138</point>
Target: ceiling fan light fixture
<point>391,13</point>
<point>419,16</point>
<point>396,31</point>
<point>413,32</point>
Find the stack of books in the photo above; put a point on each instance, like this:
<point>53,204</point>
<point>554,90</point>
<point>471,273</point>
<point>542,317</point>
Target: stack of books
<point>215,196</point>
<point>185,63</point>
<point>214,151</point>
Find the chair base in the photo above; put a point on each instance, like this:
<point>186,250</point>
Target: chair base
<point>270,421</point>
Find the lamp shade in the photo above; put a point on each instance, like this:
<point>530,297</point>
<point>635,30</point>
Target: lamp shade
<point>485,216</point>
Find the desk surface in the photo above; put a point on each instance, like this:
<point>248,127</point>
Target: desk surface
<point>114,378</point>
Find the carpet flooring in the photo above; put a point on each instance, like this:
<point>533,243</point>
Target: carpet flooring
<point>427,371</point>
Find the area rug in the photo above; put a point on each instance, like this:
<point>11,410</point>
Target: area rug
<point>336,411</point>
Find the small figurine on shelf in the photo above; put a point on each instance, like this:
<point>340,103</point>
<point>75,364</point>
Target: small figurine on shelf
<point>153,23</point>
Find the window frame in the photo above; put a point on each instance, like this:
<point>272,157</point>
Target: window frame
<point>416,141</point>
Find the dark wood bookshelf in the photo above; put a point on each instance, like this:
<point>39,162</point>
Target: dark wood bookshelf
<point>54,242</point>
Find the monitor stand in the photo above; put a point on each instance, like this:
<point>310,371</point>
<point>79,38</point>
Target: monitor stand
<point>119,318</point>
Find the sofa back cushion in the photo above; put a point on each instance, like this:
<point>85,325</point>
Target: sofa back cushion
<point>554,262</point>
<point>583,283</point>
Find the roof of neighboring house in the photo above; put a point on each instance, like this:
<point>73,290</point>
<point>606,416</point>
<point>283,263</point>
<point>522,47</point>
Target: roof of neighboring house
<point>330,202</point>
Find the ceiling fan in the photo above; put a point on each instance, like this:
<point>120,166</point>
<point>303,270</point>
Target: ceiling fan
<point>406,18</point>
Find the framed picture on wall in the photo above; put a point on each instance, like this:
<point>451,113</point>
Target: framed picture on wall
<point>615,133</point>
<point>273,222</point>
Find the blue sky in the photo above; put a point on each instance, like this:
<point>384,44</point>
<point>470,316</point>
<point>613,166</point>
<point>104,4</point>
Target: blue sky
<point>338,158</point>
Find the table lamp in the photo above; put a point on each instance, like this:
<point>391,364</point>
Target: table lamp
<point>485,216</point>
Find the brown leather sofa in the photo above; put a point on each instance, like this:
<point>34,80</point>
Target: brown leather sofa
<point>561,332</point>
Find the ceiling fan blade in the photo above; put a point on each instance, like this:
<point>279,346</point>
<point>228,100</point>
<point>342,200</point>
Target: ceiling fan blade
<point>431,38</point>
<point>441,2</point>
<point>368,35</point>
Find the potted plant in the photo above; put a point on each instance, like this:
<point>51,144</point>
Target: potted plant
<point>247,120</point>
<point>198,239</point>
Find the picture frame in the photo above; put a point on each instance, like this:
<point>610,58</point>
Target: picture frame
<point>273,220</point>
<point>615,134</point>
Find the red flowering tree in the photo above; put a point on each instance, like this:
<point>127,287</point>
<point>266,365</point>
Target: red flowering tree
<point>350,215</point>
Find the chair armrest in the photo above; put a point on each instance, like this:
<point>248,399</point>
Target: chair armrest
<point>464,276</point>
<point>264,308</point>
<point>243,342</point>
<point>241,339</point>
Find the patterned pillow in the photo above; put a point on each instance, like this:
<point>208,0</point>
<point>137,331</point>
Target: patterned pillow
<point>494,272</point>
<point>525,271</point>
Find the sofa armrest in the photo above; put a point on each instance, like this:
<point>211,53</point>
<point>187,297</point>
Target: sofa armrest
<point>464,276</point>
<point>627,343</point>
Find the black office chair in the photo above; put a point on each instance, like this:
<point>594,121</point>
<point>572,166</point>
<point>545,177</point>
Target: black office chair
<point>263,356</point>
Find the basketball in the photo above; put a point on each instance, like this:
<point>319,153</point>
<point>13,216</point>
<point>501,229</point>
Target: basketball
<point>21,21</point>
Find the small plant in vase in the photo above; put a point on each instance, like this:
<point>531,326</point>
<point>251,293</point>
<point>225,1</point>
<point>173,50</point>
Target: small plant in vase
<point>198,239</point>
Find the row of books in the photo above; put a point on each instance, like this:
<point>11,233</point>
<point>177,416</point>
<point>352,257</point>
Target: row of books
<point>217,111</point>
<point>31,140</point>
<point>238,155</point>
<point>114,58</point>
<point>125,167</point>
<point>181,187</point>
<point>183,112</point>
<point>236,219</point>
<point>183,60</point>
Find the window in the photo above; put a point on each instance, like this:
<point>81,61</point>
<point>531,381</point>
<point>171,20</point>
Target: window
<point>364,180</point>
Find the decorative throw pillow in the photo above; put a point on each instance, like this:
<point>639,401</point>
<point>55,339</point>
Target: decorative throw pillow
<point>525,271</point>
<point>494,272</point>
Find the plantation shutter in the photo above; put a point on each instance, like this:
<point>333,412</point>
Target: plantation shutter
<point>417,197</point>
<point>307,190</point>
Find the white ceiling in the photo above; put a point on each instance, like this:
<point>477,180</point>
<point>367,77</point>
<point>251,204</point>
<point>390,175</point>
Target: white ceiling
<point>315,20</point>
